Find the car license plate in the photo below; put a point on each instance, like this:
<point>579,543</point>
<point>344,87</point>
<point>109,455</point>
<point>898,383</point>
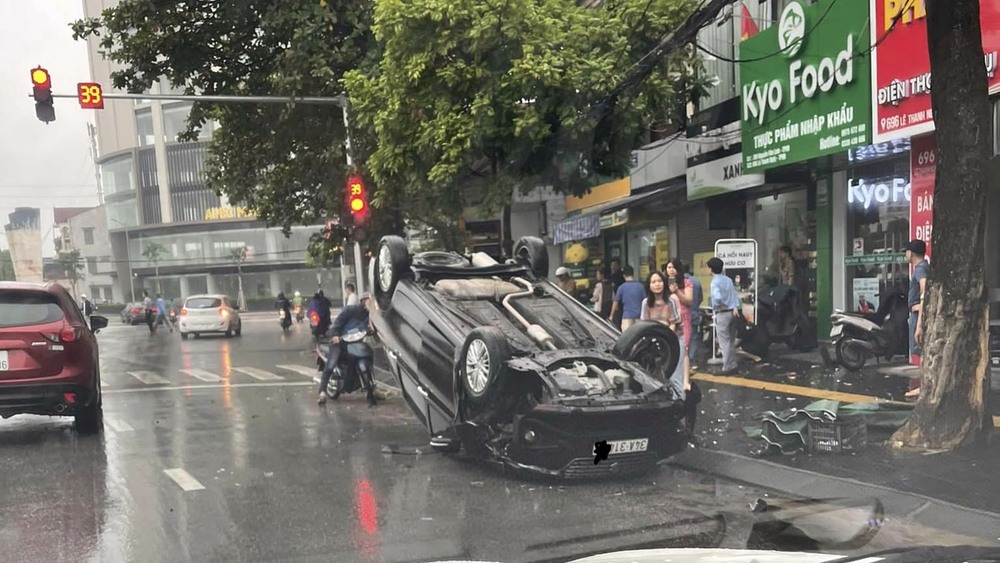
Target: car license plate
<point>628,446</point>
<point>4,362</point>
<point>836,331</point>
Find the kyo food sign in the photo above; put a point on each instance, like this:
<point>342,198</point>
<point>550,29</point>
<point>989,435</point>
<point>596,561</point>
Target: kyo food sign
<point>804,84</point>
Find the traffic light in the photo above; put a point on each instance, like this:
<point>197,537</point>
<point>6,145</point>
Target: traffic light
<point>42,92</point>
<point>357,200</point>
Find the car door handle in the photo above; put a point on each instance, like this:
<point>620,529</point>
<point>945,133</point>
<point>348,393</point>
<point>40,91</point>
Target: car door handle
<point>423,392</point>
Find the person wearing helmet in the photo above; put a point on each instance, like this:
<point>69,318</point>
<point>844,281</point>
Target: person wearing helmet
<point>350,319</point>
<point>565,281</point>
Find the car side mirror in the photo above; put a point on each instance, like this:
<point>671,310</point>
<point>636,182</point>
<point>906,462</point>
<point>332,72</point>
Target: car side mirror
<point>97,323</point>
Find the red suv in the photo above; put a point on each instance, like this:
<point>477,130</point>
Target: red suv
<point>48,355</point>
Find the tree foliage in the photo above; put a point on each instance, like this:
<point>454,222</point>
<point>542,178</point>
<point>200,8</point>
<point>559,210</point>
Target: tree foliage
<point>287,162</point>
<point>514,92</point>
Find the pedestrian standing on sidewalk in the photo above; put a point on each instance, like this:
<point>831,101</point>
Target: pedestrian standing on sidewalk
<point>679,287</point>
<point>916,250</point>
<point>350,294</point>
<point>699,296</point>
<point>628,300</point>
<point>664,306</point>
<point>725,307</point>
<point>603,293</point>
<point>617,279</point>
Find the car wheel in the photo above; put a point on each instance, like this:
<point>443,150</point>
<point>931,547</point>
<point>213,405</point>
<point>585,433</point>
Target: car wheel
<point>392,263</point>
<point>651,345</point>
<point>531,252</point>
<point>89,419</point>
<point>197,336</point>
<point>229,331</point>
<point>483,364</point>
<point>184,336</point>
<point>239,329</point>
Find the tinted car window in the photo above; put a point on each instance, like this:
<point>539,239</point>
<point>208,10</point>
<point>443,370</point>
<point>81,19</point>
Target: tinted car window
<point>204,303</point>
<point>23,308</point>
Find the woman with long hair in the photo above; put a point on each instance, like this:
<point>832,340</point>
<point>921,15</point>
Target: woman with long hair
<point>664,307</point>
<point>683,289</point>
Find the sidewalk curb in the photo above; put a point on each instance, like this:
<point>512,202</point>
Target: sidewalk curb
<point>925,510</point>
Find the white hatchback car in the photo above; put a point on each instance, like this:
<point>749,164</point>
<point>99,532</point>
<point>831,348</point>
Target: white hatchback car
<point>209,313</point>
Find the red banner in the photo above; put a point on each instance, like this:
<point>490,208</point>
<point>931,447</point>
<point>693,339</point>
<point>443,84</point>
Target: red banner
<point>901,68</point>
<point>923,163</point>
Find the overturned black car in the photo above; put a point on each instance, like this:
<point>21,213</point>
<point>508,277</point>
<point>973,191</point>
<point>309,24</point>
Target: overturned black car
<point>495,359</point>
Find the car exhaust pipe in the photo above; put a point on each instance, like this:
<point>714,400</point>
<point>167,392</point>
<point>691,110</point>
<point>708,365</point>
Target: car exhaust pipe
<point>539,334</point>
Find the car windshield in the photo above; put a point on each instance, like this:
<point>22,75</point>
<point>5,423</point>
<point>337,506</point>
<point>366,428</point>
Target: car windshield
<point>203,303</point>
<point>641,276</point>
<point>24,308</point>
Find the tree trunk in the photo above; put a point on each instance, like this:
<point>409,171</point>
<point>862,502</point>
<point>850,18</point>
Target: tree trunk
<point>953,406</point>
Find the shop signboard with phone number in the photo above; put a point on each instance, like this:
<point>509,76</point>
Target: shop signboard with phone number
<point>923,165</point>
<point>901,68</point>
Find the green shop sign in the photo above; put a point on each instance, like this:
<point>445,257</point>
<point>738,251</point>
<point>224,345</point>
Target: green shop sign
<point>805,84</point>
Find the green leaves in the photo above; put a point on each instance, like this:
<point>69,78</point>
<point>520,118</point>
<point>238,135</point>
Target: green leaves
<point>500,94</point>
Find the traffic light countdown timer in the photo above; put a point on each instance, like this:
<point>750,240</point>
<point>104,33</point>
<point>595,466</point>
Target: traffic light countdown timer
<point>90,95</point>
<point>42,92</point>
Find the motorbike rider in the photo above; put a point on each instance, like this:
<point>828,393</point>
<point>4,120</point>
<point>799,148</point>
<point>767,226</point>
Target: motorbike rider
<point>351,318</point>
<point>297,304</point>
<point>283,304</point>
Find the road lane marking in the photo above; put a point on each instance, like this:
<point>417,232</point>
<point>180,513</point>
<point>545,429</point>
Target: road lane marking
<point>202,375</point>
<point>811,392</point>
<point>149,378</point>
<point>184,479</point>
<point>118,425</point>
<point>209,386</point>
<point>303,370</point>
<point>260,374</point>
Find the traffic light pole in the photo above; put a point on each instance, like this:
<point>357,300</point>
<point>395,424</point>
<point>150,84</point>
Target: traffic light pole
<point>358,264</point>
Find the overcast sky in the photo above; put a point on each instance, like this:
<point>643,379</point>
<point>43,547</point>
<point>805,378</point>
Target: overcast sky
<point>44,165</point>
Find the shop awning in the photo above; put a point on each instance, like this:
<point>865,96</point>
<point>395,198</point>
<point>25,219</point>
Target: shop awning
<point>588,225</point>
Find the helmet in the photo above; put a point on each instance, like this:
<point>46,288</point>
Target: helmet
<point>364,296</point>
<point>562,271</point>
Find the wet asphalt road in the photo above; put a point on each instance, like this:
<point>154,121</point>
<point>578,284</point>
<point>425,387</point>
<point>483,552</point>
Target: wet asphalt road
<point>214,450</point>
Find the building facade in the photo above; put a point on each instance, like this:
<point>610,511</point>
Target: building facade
<point>169,231</point>
<point>86,230</point>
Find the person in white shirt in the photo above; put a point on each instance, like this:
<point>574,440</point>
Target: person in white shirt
<point>350,295</point>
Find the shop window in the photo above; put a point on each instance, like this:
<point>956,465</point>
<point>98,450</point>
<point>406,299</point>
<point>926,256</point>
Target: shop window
<point>88,236</point>
<point>648,250</point>
<point>877,226</point>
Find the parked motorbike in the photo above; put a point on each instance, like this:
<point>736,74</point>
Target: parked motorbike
<point>285,319</point>
<point>782,314</point>
<point>884,333</point>
<point>354,369</point>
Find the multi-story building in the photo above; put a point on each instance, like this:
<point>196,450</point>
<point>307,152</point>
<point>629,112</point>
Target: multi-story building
<point>86,229</point>
<point>156,198</point>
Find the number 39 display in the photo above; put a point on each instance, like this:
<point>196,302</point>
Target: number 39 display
<point>90,95</point>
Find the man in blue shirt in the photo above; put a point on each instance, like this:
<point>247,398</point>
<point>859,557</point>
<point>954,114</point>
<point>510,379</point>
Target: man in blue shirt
<point>699,296</point>
<point>628,298</point>
<point>351,318</point>
<point>916,251</point>
<point>161,312</point>
<point>725,306</point>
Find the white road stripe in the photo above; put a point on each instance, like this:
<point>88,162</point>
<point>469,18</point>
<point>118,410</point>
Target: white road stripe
<point>118,425</point>
<point>299,369</point>
<point>184,479</point>
<point>149,378</point>
<point>202,375</point>
<point>260,374</point>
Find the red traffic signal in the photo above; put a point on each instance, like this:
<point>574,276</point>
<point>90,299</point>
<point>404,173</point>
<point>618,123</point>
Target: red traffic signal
<point>357,199</point>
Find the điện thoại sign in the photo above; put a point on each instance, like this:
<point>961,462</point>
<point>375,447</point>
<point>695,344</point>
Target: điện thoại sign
<point>805,83</point>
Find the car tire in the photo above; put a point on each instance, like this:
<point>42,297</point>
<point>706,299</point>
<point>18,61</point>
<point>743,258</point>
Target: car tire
<point>653,346</point>
<point>531,252</point>
<point>483,364</point>
<point>197,336</point>
<point>239,329</point>
<point>184,336</point>
<point>392,263</point>
<point>229,331</point>
<point>89,420</point>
